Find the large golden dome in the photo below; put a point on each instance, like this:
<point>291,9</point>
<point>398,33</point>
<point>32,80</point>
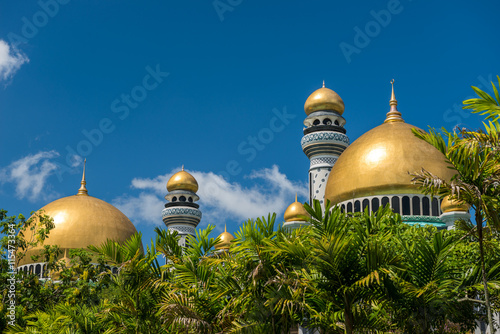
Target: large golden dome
<point>82,220</point>
<point>379,161</point>
<point>324,99</point>
<point>182,181</point>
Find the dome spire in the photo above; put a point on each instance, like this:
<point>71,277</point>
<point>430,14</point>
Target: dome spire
<point>393,115</point>
<point>323,83</point>
<point>83,188</point>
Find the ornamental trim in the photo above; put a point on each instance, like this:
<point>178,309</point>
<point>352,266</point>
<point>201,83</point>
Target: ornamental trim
<point>180,211</point>
<point>324,136</point>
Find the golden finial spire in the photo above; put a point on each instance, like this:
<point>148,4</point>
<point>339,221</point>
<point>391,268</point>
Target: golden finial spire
<point>295,197</point>
<point>323,83</point>
<point>225,228</point>
<point>83,189</point>
<point>182,167</point>
<point>393,115</point>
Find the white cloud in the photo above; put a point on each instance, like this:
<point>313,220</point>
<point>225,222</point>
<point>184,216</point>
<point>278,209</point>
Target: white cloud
<point>29,174</point>
<point>220,200</point>
<point>11,60</point>
<point>146,207</point>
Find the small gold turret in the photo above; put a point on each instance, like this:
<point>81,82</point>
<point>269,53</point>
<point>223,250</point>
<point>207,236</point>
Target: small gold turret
<point>225,240</point>
<point>296,212</point>
<point>182,181</point>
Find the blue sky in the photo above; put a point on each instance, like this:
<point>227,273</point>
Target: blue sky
<point>141,88</point>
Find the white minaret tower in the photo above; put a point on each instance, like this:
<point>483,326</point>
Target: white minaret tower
<point>181,214</point>
<point>324,138</point>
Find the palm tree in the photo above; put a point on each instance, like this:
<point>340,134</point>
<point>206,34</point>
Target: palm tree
<point>428,285</point>
<point>344,267</point>
<point>474,155</point>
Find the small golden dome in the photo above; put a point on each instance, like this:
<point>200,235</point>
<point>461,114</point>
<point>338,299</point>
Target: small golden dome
<point>80,221</point>
<point>295,211</point>
<point>225,240</point>
<point>448,205</point>
<point>324,99</point>
<point>379,161</point>
<point>182,181</point>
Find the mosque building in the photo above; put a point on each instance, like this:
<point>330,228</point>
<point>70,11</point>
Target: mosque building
<point>371,172</point>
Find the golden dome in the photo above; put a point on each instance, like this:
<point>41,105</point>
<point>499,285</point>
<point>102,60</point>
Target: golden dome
<point>379,161</point>
<point>448,205</point>
<point>80,221</point>
<point>294,211</point>
<point>225,240</point>
<point>182,181</point>
<point>324,99</point>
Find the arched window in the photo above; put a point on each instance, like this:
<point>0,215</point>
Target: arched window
<point>406,206</point>
<point>316,122</point>
<point>435,207</point>
<point>357,206</point>
<point>38,269</point>
<point>25,269</point>
<point>190,199</point>
<point>336,123</point>
<point>342,208</point>
<point>385,201</point>
<point>415,203</point>
<point>349,207</point>
<point>182,198</point>
<point>375,204</point>
<point>366,204</point>
<point>327,121</point>
<point>395,204</point>
<point>425,206</point>
<point>31,269</point>
<point>174,199</point>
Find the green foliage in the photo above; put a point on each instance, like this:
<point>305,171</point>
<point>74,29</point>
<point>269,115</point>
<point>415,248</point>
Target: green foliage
<point>342,273</point>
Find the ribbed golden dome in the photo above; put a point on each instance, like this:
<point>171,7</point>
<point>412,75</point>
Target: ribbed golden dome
<point>324,99</point>
<point>379,161</point>
<point>448,205</point>
<point>182,181</point>
<point>225,240</point>
<point>80,221</point>
<point>294,211</point>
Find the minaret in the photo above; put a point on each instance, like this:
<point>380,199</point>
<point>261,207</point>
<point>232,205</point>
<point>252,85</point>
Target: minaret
<point>324,137</point>
<point>181,214</point>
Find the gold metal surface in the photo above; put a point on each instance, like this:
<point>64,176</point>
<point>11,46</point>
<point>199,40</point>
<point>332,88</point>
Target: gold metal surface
<point>83,188</point>
<point>182,181</point>
<point>448,205</point>
<point>225,240</point>
<point>81,221</point>
<point>393,115</point>
<point>295,210</point>
<point>324,99</point>
<point>378,162</point>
